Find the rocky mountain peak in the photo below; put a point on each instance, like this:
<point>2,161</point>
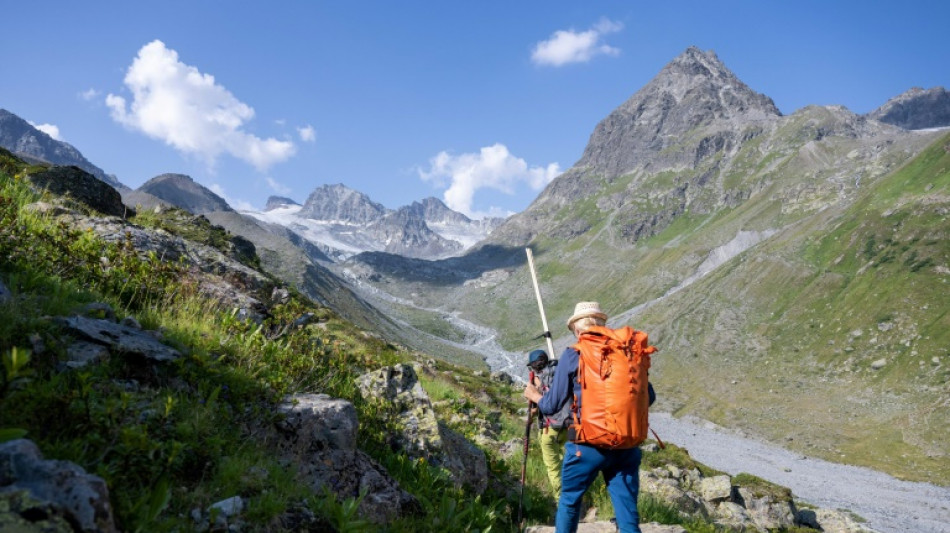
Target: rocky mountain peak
<point>694,90</point>
<point>434,211</point>
<point>276,202</point>
<point>916,108</point>
<point>21,138</point>
<point>405,232</point>
<point>341,204</point>
<point>182,191</point>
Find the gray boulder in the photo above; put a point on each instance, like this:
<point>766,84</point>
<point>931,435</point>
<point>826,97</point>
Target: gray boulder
<point>422,435</point>
<point>832,521</point>
<point>716,489</point>
<point>463,459</point>
<point>217,275</point>
<point>121,340</point>
<point>766,511</point>
<point>670,491</point>
<point>318,433</point>
<point>399,386</point>
<point>36,493</point>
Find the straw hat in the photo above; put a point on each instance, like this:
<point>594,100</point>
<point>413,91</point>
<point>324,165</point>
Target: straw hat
<point>586,309</point>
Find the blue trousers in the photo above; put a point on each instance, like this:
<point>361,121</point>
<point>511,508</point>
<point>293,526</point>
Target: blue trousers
<point>621,471</point>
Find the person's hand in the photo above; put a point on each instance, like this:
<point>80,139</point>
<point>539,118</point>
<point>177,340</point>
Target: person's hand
<point>531,393</point>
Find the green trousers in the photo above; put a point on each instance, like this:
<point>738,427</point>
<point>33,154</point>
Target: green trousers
<point>552,453</point>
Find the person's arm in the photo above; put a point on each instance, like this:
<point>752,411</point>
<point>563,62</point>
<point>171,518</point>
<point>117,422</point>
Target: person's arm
<point>562,384</point>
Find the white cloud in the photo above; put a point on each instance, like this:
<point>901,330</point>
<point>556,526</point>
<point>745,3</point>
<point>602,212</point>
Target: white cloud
<point>307,133</point>
<point>89,95</point>
<point>49,129</point>
<point>493,167</point>
<point>277,187</point>
<point>569,46</point>
<point>175,103</point>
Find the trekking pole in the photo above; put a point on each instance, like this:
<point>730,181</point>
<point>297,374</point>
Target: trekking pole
<point>527,426</point>
<point>537,293</point>
<point>524,462</point>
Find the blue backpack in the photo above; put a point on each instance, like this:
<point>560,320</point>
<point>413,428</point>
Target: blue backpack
<point>563,417</point>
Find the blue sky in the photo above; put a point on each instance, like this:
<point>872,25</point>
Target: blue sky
<point>478,103</point>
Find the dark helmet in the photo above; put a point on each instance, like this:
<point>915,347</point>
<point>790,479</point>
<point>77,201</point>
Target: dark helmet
<point>538,358</point>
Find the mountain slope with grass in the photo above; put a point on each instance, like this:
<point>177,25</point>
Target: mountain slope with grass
<point>172,435</point>
<point>180,388</point>
<point>702,215</point>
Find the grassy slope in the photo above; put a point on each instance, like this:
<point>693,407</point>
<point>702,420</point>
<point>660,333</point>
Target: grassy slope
<point>800,320</point>
<point>183,436</point>
<point>768,319</point>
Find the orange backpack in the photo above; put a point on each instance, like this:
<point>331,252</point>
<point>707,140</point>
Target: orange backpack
<point>613,373</point>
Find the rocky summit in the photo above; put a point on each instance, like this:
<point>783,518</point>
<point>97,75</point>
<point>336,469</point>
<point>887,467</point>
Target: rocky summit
<point>693,93</point>
<point>182,191</point>
<point>332,203</point>
<point>21,138</point>
<point>916,109</point>
<point>274,202</point>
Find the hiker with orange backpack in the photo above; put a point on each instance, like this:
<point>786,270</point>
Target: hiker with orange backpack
<point>609,370</point>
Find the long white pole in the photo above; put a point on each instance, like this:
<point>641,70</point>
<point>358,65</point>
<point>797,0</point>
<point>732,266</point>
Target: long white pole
<point>537,293</point>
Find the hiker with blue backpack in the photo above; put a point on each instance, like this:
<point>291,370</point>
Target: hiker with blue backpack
<point>610,367</point>
<point>553,428</point>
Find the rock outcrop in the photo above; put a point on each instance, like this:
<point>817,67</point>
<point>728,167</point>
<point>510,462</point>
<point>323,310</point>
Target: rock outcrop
<point>47,495</point>
<point>761,506</point>
<point>318,433</point>
<point>229,281</point>
<point>101,337</point>
<point>83,187</point>
<point>421,434</point>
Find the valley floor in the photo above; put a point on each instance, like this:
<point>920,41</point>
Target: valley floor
<point>888,504</point>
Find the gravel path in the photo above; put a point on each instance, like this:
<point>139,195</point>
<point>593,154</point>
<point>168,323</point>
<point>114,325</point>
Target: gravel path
<point>889,504</point>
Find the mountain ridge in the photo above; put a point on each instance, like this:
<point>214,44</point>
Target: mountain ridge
<point>347,222</point>
<point>916,108</point>
<point>21,137</point>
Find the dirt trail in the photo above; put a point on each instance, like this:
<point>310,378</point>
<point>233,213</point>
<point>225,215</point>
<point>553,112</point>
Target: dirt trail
<point>889,505</point>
